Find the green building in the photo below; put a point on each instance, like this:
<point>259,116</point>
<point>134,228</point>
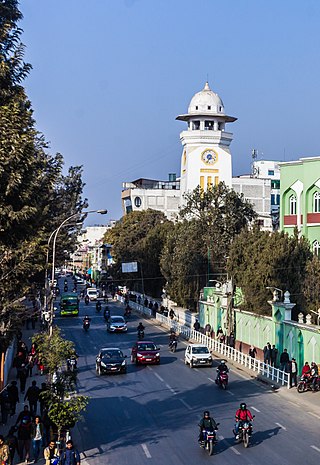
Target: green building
<point>300,199</point>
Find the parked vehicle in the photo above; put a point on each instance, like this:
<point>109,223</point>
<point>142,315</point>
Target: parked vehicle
<point>305,384</point>
<point>111,360</point>
<point>145,352</point>
<point>197,355</point>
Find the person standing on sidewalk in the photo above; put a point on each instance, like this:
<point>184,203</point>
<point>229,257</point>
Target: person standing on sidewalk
<point>4,451</point>
<point>196,325</point>
<point>70,456</point>
<point>267,354</point>
<point>23,374</point>
<point>274,356</point>
<point>32,396</point>
<point>37,437</point>
<point>284,360</point>
<point>293,369</point>
<point>14,396</point>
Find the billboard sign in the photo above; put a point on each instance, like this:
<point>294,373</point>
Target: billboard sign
<point>131,267</point>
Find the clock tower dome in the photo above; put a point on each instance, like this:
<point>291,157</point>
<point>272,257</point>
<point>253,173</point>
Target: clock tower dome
<point>206,157</point>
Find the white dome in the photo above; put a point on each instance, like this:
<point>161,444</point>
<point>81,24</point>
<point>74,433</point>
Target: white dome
<point>206,101</point>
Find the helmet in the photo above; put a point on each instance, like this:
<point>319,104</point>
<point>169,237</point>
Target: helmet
<point>223,362</point>
<point>86,317</point>
<point>243,406</point>
<point>206,413</point>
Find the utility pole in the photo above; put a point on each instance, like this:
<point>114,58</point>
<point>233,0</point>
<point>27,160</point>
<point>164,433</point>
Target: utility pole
<point>230,307</point>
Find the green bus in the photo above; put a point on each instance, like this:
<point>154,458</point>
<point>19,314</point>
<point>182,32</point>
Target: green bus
<point>69,304</point>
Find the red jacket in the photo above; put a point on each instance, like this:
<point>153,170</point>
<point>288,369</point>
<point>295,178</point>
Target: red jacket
<point>243,415</point>
<point>306,370</point>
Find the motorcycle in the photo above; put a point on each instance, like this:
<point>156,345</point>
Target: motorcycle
<point>222,379</point>
<point>98,306</point>
<point>86,325</point>
<point>173,345</point>
<point>127,312</point>
<point>245,432</point>
<point>106,314</point>
<point>86,300</point>
<point>72,364</point>
<point>208,440</point>
<point>306,384</point>
<point>140,334</point>
<point>65,289</point>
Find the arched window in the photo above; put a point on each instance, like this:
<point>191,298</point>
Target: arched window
<point>316,248</point>
<point>316,202</point>
<point>293,205</point>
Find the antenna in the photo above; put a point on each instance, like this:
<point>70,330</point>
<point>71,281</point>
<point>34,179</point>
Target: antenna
<point>254,169</point>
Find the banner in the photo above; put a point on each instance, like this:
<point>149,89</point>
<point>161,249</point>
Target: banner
<point>131,267</point>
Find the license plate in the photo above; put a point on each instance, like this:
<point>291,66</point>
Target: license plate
<point>148,359</point>
<point>202,361</point>
<point>113,368</point>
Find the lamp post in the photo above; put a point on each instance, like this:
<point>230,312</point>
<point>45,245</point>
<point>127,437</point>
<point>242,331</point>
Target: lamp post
<point>275,293</point>
<point>55,234</point>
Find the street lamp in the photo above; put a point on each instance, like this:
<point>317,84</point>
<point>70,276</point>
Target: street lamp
<point>55,234</point>
<point>275,293</point>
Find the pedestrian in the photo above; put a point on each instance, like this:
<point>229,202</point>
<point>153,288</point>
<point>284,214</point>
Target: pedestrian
<point>18,360</point>
<point>70,456</point>
<point>12,442</point>
<point>207,330</point>
<point>293,369</point>
<point>274,356</point>
<point>139,300</point>
<point>146,302</point>
<point>51,454</point>
<point>284,360</point>
<point>24,435</point>
<point>267,353</point>
<point>252,352</point>
<point>196,325</point>
<point>5,406</point>
<point>37,437</point>
<point>232,340</point>
<point>23,374</point>
<point>14,396</point>
<point>30,364</point>
<point>46,422</point>
<point>4,451</point>
<point>32,395</point>
<point>172,314</point>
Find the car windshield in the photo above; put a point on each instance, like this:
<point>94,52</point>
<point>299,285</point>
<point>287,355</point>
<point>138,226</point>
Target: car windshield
<point>117,319</point>
<point>147,346</point>
<point>92,292</point>
<point>112,354</point>
<point>200,350</point>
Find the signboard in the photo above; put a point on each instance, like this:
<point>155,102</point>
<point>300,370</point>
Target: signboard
<point>131,267</point>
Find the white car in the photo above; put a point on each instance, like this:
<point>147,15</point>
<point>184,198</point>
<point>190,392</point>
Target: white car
<point>117,324</point>
<point>92,293</point>
<point>197,355</point>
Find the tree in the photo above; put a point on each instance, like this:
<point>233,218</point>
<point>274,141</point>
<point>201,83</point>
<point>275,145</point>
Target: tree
<point>198,246</point>
<point>311,285</point>
<point>259,259</point>
<point>65,414</point>
<point>139,237</point>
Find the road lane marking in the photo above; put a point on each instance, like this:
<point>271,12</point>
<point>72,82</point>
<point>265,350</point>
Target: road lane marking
<point>296,404</point>
<point>171,389</point>
<point>232,448</point>
<point>159,377</point>
<point>315,415</point>
<point>146,451</point>
<point>255,409</point>
<point>212,380</point>
<point>185,404</point>
<point>281,426</point>
<point>315,448</point>
<point>196,369</point>
<point>231,393</point>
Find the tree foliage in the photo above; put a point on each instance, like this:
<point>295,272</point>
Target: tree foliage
<point>259,259</point>
<point>196,249</point>
<point>66,413</point>
<point>139,237</point>
<point>311,284</point>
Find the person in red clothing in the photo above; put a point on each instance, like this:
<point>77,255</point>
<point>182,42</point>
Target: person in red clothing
<point>242,414</point>
<point>306,369</point>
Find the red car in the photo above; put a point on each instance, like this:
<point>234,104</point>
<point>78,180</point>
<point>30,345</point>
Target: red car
<point>145,352</point>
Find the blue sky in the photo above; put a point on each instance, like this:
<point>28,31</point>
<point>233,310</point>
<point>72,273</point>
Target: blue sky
<point>110,76</point>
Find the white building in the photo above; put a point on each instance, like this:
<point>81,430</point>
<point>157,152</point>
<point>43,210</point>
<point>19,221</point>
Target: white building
<point>206,157</point>
<point>148,193</point>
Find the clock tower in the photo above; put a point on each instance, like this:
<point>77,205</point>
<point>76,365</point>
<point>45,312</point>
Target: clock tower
<point>206,157</point>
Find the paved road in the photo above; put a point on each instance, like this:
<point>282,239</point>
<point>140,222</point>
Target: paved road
<point>151,414</point>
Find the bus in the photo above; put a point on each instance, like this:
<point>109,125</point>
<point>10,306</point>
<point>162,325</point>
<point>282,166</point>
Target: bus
<point>69,304</point>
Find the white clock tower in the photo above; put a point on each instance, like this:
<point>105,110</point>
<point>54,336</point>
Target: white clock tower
<point>206,157</point>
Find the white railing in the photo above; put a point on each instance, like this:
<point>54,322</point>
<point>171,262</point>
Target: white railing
<point>228,352</point>
<point>138,308</point>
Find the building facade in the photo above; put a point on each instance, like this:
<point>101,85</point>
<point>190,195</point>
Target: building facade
<point>300,199</point>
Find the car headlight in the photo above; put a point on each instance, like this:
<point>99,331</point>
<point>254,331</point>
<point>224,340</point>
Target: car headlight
<point>194,358</point>
<point>123,363</point>
<point>209,358</point>
<point>139,355</point>
<point>157,354</point>
<point>112,327</point>
<point>102,364</point>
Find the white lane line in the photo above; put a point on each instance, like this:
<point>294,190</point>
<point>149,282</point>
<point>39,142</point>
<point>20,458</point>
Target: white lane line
<point>281,426</point>
<point>296,404</point>
<point>182,360</point>
<point>159,377</point>
<point>185,404</point>
<point>146,451</point>
<point>231,393</point>
<point>212,380</point>
<point>315,415</point>
<point>171,389</point>
<point>315,448</point>
<point>255,409</point>
<point>232,448</point>
<point>196,369</point>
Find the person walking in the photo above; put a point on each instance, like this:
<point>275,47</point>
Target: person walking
<point>51,454</point>
<point>232,340</point>
<point>172,314</point>
<point>4,451</point>
<point>5,406</point>
<point>267,353</point>
<point>14,396</point>
<point>70,456</point>
<point>293,370</point>
<point>32,396</point>
<point>12,442</point>
<point>37,437</point>
<point>284,360</point>
<point>23,375</point>
<point>274,356</point>
<point>196,325</point>
<point>24,437</point>
<point>252,352</point>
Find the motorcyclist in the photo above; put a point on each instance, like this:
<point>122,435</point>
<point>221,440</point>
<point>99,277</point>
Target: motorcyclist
<point>106,313</point>
<point>172,337</point>
<point>98,305</point>
<point>86,320</point>
<point>140,327</point>
<point>86,299</point>
<point>222,368</point>
<point>206,423</point>
<point>242,414</point>
<point>314,375</point>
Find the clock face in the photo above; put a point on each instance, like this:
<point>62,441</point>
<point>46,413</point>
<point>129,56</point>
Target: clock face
<point>209,157</point>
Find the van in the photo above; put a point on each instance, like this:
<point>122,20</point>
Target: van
<point>69,304</point>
